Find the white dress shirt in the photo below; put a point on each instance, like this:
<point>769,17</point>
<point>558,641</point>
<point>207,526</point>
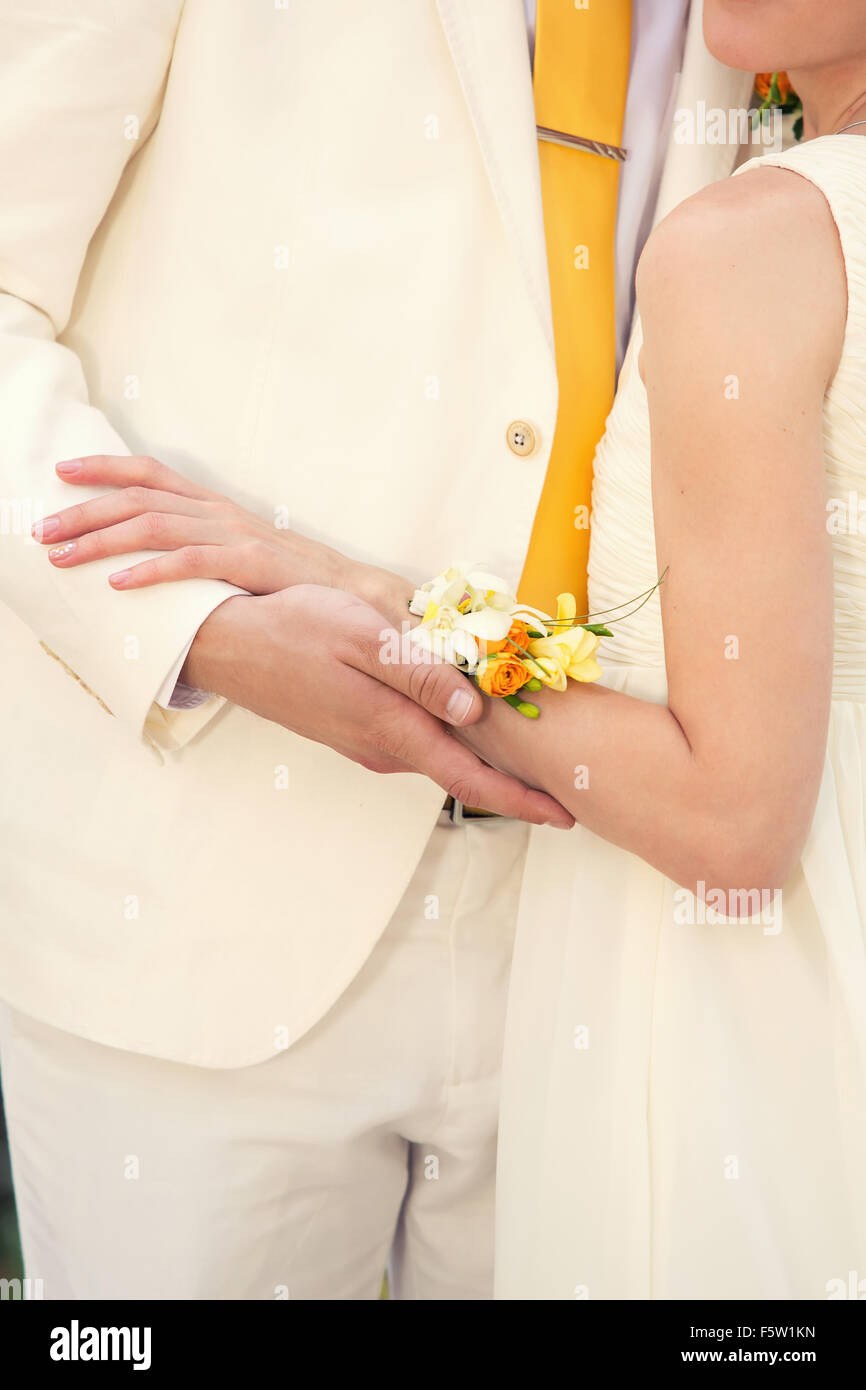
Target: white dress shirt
<point>658,29</point>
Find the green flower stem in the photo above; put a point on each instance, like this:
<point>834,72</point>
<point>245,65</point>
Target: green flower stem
<point>522,706</point>
<point>584,618</point>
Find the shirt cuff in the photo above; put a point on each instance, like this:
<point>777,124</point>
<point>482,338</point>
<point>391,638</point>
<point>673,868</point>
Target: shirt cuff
<point>173,694</point>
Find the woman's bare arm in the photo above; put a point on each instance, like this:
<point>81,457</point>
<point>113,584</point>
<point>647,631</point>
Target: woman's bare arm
<point>745,281</point>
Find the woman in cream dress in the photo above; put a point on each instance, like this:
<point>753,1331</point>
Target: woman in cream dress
<point>684,1110</point>
<point>685,1091</point>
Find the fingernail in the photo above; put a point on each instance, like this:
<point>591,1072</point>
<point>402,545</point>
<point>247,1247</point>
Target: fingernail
<point>68,467</point>
<point>43,530</point>
<point>459,706</point>
<point>60,552</point>
<point>119,578</point>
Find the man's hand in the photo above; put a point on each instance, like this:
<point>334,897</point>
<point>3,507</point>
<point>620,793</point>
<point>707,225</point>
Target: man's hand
<point>311,658</point>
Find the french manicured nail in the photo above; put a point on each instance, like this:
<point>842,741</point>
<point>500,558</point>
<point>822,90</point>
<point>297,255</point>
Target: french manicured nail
<point>459,706</point>
<point>69,467</point>
<point>119,578</point>
<point>61,552</point>
<point>46,528</point>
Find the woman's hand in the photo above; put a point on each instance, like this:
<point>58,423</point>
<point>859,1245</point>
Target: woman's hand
<point>205,535</point>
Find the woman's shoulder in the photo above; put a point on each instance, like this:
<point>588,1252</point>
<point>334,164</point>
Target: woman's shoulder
<point>756,210</point>
<point>769,219</point>
<point>762,238</point>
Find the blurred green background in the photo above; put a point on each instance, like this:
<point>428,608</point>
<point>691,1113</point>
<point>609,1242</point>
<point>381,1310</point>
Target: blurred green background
<point>10,1252</point>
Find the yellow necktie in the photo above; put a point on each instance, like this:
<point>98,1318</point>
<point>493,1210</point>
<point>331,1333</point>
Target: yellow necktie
<point>580,83</point>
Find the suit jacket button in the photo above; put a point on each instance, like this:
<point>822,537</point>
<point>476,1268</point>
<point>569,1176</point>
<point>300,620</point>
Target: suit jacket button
<point>521,438</point>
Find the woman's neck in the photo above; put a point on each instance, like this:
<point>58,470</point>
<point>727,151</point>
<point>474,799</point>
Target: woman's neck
<point>831,98</point>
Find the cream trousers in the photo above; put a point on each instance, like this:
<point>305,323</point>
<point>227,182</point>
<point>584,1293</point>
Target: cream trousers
<point>370,1142</point>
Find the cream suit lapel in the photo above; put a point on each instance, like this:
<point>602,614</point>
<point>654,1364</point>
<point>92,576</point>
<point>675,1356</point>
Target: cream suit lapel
<point>691,166</point>
<point>488,43</point>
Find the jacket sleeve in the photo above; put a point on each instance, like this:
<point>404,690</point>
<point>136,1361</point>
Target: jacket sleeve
<point>71,75</point>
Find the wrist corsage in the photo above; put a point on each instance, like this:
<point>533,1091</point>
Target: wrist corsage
<point>471,619</point>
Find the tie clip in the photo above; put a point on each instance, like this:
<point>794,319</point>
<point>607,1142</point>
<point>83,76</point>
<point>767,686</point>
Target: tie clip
<point>578,142</point>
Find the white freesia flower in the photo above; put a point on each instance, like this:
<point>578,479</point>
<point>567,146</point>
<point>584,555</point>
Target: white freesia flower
<point>465,587</point>
<point>534,618</point>
<point>453,645</point>
<point>460,607</point>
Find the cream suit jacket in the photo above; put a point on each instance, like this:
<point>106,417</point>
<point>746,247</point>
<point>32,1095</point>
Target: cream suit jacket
<point>295,251</point>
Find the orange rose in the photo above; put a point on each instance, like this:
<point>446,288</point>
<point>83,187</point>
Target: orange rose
<point>764,80</point>
<point>501,674</point>
<point>517,638</point>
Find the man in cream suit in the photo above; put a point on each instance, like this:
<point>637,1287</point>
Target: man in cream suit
<point>255,988</point>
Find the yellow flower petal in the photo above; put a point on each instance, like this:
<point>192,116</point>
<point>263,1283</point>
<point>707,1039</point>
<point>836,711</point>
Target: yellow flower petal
<point>551,672</point>
<point>588,670</point>
<point>566,608</point>
<point>581,645</point>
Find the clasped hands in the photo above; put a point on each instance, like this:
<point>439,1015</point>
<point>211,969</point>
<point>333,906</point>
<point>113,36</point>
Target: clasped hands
<point>304,648</point>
